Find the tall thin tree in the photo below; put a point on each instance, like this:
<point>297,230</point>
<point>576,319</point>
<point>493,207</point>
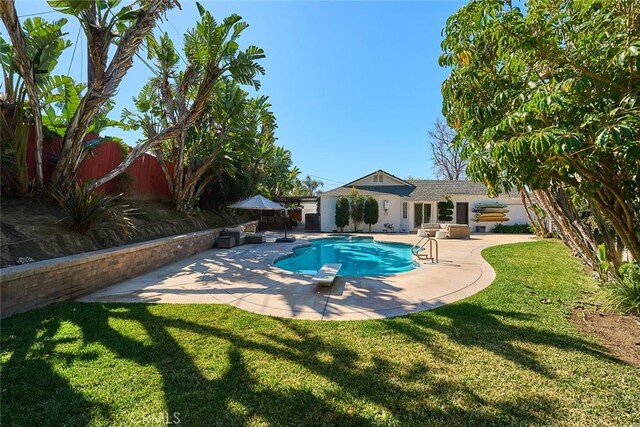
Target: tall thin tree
<point>446,157</point>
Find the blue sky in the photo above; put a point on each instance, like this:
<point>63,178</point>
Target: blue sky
<point>355,85</point>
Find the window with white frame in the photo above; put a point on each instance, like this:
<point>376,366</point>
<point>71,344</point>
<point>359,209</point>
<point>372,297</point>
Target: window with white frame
<point>404,210</point>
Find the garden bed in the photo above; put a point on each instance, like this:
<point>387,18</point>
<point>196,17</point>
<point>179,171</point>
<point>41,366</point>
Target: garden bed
<point>620,334</point>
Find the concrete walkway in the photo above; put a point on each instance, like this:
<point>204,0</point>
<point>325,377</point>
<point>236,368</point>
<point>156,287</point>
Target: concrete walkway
<point>245,277</point>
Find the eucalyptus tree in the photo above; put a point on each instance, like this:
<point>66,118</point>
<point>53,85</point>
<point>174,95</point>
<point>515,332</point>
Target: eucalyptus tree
<point>27,63</point>
<point>548,98</point>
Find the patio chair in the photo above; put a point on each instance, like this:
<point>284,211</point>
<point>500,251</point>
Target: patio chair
<point>459,231</point>
<point>237,232</point>
<point>431,228</point>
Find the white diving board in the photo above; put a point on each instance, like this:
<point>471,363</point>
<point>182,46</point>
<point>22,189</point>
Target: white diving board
<point>327,274</point>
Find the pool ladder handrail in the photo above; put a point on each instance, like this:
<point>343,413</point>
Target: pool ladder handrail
<point>419,247</point>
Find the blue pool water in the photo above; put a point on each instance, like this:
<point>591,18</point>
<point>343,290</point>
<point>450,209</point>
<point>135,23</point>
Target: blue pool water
<point>359,256</point>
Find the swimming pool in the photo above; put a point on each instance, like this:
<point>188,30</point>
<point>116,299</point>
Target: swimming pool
<point>359,256</point>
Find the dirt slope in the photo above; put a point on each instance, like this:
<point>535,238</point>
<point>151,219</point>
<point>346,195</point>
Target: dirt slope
<point>36,228</point>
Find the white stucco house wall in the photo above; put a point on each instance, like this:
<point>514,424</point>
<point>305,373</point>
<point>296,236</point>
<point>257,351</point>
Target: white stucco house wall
<point>309,207</point>
<point>408,203</point>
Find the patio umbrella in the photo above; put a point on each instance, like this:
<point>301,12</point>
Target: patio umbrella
<point>262,203</point>
<point>257,202</point>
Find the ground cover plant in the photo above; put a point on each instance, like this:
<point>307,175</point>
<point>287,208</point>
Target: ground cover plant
<point>512,229</point>
<point>505,356</point>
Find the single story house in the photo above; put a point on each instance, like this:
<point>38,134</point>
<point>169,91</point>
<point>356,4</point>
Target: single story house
<point>407,204</point>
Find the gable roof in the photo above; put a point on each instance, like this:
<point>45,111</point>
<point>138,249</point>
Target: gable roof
<point>402,181</point>
<point>433,189</point>
<point>416,189</point>
<point>372,190</point>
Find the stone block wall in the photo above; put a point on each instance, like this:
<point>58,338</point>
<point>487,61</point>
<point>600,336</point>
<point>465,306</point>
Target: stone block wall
<point>29,286</point>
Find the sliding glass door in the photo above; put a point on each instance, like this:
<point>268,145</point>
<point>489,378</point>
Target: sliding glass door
<point>417,215</point>
<point>421,214</point>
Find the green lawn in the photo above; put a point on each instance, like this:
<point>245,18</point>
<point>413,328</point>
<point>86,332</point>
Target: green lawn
<point>500,357</point>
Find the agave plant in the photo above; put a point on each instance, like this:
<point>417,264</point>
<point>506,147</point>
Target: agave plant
<point>90,211</point>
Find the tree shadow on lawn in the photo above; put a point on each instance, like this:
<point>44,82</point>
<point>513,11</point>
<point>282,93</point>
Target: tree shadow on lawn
<point>33,393</point>
<point>473,325</point>
<point>359,391</point>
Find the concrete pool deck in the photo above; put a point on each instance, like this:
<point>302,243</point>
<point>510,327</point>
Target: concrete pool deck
<point>245,277</point>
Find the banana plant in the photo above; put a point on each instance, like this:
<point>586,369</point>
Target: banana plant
<point>27,64</point>
<point>280,176</point>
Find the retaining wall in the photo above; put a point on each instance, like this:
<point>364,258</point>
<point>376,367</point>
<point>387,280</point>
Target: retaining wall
<point>33,285</point>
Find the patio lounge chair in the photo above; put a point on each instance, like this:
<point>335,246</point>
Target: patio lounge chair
<point>459,231</point>
<point>431,228</point>
<point>237,232</point>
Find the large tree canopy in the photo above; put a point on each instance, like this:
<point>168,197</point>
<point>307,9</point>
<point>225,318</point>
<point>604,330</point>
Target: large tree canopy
<point>548,96</point>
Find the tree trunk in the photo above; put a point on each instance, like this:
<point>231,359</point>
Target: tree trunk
<point>536,210</point>
<point>165,169</point>
<point>25,66</point>
<point>614,254</point>
<point>178,174</point>
<point>104,86</point>
<point>190,182</point>
<point>536,222</point>
<point>581,243</point>
<point>629,236</point>
<point>615,206</point>
<point>195,112</point>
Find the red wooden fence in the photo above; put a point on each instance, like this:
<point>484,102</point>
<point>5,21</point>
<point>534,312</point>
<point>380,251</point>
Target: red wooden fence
<point>142,180</point>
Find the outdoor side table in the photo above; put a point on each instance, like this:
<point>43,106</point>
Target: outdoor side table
<point>226,242</point>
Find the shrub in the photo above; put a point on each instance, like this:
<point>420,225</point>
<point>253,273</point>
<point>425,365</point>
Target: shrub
<point>623,294</point>
<point>371,213</point>
<point>342,212</point>
<point>445,210</point>
<point>513,229</point>
<point>357,208</point>
<point>90,211</point>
